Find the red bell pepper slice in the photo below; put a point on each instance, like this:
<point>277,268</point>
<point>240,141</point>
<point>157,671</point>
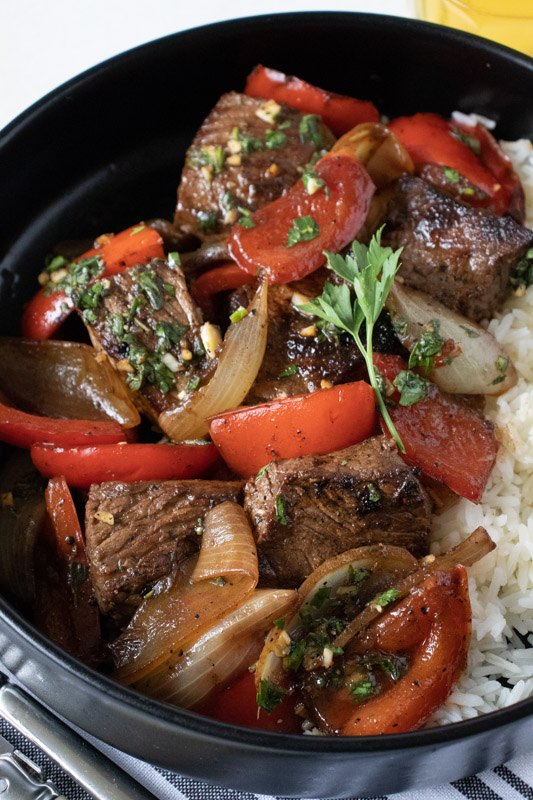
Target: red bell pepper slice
<point>23,430</point>
<point>68,613</point>
<point>83,466</point>
<point>430,139</point>
<point>317,423</point>
<point>219,279</point>
<point>136,245</point>
<point>447,439</point>
<point>339,211</point>
<point>236,705</point>
<point>339,112</point>
<point>431,626</point>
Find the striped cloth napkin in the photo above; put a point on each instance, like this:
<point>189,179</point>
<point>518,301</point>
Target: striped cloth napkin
<point>512,781</point>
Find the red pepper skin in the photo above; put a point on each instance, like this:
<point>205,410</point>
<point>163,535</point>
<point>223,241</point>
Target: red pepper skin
<point>445,438</point>
<point>340,213</point>
<point>24,430</point>
<point>219,279</point>
<point>83,466</point>
<point>67,611</point>
<point>433,625</point>
<point>236,705</point>
<point>429,139</point>
<point>339,112</point>
<point>45,313</point>
<point>316,423</point>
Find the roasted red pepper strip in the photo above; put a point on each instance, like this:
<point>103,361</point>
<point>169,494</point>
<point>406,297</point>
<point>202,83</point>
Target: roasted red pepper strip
<point>83,466</point>
<point>430,139</point>
<point>72,616</point>
<point>446,438</point>
<point>236,705</point>
<point>219,279</point>
<point>432,627</point>
<point>24,430</point>
<point>317,423</point>
<point>339,112</point>
<point>137,245</point>
<point>338,212</point>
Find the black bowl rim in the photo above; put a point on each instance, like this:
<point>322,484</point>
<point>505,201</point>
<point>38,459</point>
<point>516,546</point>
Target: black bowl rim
<point>140,706</point>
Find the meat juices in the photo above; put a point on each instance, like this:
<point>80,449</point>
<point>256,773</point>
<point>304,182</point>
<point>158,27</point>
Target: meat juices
<point>461,256</point>
<point>306,510</point>
<point>137,533</point>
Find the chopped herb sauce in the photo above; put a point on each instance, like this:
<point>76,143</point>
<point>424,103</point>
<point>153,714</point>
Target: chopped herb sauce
<point>303,230</point>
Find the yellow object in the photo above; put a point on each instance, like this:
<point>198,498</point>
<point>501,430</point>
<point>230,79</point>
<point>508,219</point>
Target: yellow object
<point>507,21</point>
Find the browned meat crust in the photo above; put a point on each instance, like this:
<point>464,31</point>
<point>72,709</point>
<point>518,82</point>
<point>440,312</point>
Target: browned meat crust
<point>136,533</point>
<point>460,255</point>
<point>251,167</point>
<point>309,509</point>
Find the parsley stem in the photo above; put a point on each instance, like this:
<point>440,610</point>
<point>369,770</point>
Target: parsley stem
<point>366,352</point>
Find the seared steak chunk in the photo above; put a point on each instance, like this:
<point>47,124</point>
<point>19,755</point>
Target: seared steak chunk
<point>147,324</point>
<point>305,510</point>
<point>136,533</point>
<point>460,255</point>
<point>247,152</point>
<point>299,356</point>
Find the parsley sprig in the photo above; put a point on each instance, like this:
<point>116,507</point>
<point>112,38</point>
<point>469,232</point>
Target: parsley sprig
<point>370,271</point>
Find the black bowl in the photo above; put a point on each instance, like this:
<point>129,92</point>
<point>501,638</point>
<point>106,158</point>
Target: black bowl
<point>105,150</point>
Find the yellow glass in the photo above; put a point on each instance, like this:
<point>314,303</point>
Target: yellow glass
<point>507,21</point>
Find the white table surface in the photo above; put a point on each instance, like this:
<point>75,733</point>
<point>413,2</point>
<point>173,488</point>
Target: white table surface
<point>45,42</point>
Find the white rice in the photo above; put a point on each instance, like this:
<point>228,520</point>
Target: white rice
<point>501,585</point>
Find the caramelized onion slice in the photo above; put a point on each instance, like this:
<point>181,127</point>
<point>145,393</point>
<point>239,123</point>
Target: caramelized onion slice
<point>481,367</point>
<point>63,379</point>
<point>378,149</point>
<point>221,653</point>
<point>239,362</point>
<point>395,562</point>
<point>173,619</point>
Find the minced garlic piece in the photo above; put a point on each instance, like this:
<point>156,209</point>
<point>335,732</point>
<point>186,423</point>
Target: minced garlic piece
<point>211,338</point>
<point>43,278</point>
<point>273,170</point>
<point>207,172</point>
<point>269,111</point>
<point>325,384</point>
<point>58,275</point>
<point>311,330</point>
<point>6,499</point>
<point>282,646</point>
<point>171,362</point>
<point>234,160</point>
<point>327,657</point>
<point>234,146</point>
<point>124,365</point>
<point>231,216</point>
<point>105,516</point>
<point>186,354</point>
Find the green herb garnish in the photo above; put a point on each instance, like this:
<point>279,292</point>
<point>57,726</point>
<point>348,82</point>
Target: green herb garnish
<point>311,130</point>
<point>245,220</point>
<point>150,287</point>
<point>279,623</point>
<point>470,332</point>
<point>426,348</point>
<point>207,221</point>
<point>137,229</point>
<point>275,139</point>
<point>361,690</point>
<point>248,143</point>
<point>281,515</point>
<point>523,272</point>
<point>370,271</point>
<point>238,314</point>
<point>208,156</point>
<point>193,384</point>
<point>385,598</point>
<point>470,141</point>
<point>312,181</point>
<point>374,495</point>
<point>173,259</point>
<point>451,174</point>
<point>320,597</point>
<point>413,387</point>
<point>269,696</point>
<point>303,230</point>
<point>292,369</point>
<point>53,263</point>
<point>296,655</point>
<point>356,576</point>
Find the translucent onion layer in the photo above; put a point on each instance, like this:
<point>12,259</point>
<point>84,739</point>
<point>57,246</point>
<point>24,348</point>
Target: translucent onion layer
<point>240,360</point>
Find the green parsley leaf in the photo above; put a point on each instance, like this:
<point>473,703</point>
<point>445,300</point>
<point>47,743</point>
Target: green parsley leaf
<point>470,332</point>
<point>249,144</point>
<point>312,181</point>
<point>522,275</point>
<point>169,334</point>
<point>320,597</point>
<point>502,363</point>
<point>245,220</point>
<point>296,655</point>
<point>385,598</point>
<point>279,623</point>
<point>148,283</point>
<point>207,221</point>
<point>193,384</point>
<point>53,263</point>
<point>138,229</point>
<point>269,696</point>
<point>275,139</point>
<point>238,314</point>
<point>292,369</point>
<point>374,495</point>
<point>281,515</point>
<point>370,271</point>
<point>262,471</point>
<point>208,156</point>
<point>173,259</point>
<point>356,576</point>
<point>311,130</point>
<point>361,690</point>
<point>282,126</point>
<point>451,174</point>
<point>426,348</point>
<point>303,230</point>
<point>413,387</point>
<point>228,201</point>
